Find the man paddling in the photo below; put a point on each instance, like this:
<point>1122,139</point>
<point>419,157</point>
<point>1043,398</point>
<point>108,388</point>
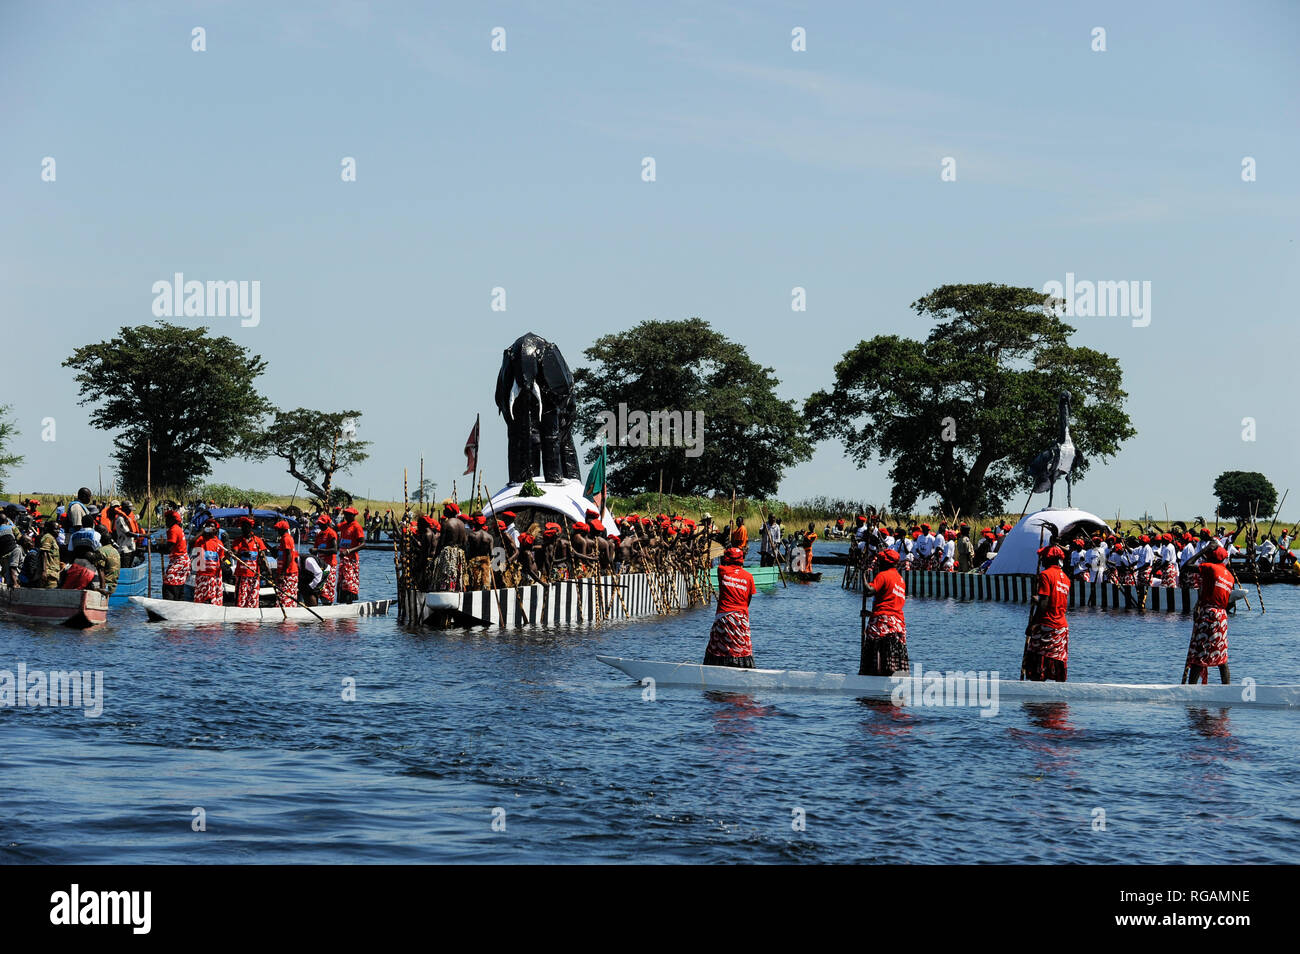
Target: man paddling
<point>884,639</point>
<point>286,567</point>
<point>351,537</point>
<point>729,639</point>
<point>1209,643</point>
<point>1047,642</point>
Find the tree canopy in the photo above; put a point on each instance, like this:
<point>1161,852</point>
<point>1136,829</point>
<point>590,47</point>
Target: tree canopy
<point>1242,492</point>
<point>961,414</point>
<point>315,445</point>
<point>8,431</point>
<point>750,436</point>
<point>192,395</point>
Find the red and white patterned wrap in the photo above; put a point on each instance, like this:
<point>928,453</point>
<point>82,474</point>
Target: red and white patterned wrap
<point>178,571</point>
<point>246,593</point>
<point>328,588</point>
<point>350,572</point>
<point>879,627</point>
<point>1050,642</point>
<point>1209,645</point>
<point>1192,577</point>
<point>730,635</point>
<point>1144,575</point>
<point>287,590</point>
<point>207,588</point>
<point>1171,576</point>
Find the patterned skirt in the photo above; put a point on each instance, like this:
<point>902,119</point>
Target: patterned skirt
<point>1125,576</point>
<point>1191,580</point>
<point>450,570</point>
<point>1170,577</point>
<point>178,571</point>
<point>884,647</point>
<point>287,589</point>
<point>730,637</point>
<point>1209,644</point>
<point>350,574</point>
<point>246,592</point>
<point>329,588</point>
<point>1144,575</point>
<point>1050,642</point>
<point>207,588</point>
<point>480,573</point>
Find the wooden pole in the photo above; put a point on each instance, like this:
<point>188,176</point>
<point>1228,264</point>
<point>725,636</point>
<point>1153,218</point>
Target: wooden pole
<point>148,516</point>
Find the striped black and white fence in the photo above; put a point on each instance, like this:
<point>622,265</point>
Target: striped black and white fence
<point>568,601</point>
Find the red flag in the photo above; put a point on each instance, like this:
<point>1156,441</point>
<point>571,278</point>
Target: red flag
<point>471,449</point>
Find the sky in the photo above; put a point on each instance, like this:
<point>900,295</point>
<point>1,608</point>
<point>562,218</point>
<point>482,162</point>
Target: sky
<point>775,168</point>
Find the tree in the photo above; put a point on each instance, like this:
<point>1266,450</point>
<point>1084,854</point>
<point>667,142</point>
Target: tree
<point>315,444</point>
<point>191,395</point>
<point>747,435</point>
<point>425,493</point>
<point>8,431</point>
<point>1243,492</point>
<point>961,414</point>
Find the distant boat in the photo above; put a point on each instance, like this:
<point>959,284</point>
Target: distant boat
<point>764,576</point>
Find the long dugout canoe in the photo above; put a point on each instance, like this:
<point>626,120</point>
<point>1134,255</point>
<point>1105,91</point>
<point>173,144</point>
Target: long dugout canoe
<point>915,688</point>
<point>77,609</point>
<point>1018,588</point>
<point>629,596</point>
<point>182,611</point>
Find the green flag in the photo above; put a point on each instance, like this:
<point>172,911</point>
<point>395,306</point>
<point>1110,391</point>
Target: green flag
<point>595,487</point>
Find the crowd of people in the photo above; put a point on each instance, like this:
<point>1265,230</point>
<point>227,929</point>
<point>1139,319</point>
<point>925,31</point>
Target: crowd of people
<point>84,544</point>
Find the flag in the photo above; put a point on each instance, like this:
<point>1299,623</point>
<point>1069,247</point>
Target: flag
<point>594,490</point>
<point>471,449</point>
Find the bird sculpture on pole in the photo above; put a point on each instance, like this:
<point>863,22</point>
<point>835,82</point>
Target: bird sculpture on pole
<point>1058,460</point>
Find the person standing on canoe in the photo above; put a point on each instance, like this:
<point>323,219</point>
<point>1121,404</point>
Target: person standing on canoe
<point>286,567</point>
<point>450,569</point>
<point>884,639</point>
<point>247,552</point>
<point>178,558</point>
<point>327,547</point>
<point>51,561</point>
<point>478,551</point>
<point>1047,637</point>
<point>729,639</point>
<point>1209,644</point>
<point>740,537</point>
<point>351,536</point>
<point>207,584</point>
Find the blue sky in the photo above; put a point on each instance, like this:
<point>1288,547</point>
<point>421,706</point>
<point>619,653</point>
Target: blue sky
<point>775,169</point>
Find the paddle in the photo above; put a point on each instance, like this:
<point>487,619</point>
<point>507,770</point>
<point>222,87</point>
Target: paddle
<point>277,589</point>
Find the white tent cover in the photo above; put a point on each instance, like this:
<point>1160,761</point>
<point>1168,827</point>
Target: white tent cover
<point>565,498</point>
<point>1019,550</point>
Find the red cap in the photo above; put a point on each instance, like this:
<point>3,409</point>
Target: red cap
<point>501,524</point>
<point>282,525</point>
<point>889,556</point>
<point>597,526</point>
<point>480,520</point>
<point>1052,553</point>
<point>579,525</point>
<point>509,514</point>
<point>451,510</point>
<point>733,556</point>
<point>247,522</point>
<point>592,513</point>
<point>324,519</point>
<point>350,510</point>
<point>526,539</point>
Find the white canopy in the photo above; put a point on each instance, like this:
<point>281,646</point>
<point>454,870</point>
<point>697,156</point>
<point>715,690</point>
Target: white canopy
<point>565,498</point>
<point>1019,550</point>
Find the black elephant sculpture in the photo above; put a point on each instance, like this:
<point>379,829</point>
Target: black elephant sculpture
<point>535,396</point>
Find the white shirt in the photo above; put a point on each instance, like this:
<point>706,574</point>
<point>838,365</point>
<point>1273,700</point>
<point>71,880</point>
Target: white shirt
<point>313,568</point>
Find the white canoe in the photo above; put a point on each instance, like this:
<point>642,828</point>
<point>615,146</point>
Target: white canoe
<point>180,611</point>
<point>914,687</point>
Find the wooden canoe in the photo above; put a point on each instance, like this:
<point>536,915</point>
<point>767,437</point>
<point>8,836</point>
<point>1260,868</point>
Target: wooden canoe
<point>78,609</point>
<point>181,611</point>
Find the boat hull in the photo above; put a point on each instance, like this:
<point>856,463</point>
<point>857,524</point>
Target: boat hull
<point>78,609</point>
<point>1008,690</point>
<point>179,611</point>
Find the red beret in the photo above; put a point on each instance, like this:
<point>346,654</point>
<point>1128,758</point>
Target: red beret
<point>597,526</point>
<point>451,510</point>
<point>247,522</point>
<point>889,556</point>
<point>282,525</point>
<point>509,515</point>
<point>579,525</point>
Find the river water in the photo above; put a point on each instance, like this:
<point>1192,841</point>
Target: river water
<point>520,746</point>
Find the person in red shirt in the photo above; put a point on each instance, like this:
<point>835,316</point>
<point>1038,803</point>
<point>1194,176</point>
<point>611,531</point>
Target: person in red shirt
<point>350,537</point>
<point>247,553</point>
<point>1209,644</point>
<point>81,573</point>
<point>286,567</point>
<point>327,542</point>
<point>207,582</point>
<point>729,639</point>
<point>178,560</point>
<point>884,635</point>
<point>1047,637</point>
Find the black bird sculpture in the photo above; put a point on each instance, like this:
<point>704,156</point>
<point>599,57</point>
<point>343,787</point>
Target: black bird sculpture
<point>1058,460</point>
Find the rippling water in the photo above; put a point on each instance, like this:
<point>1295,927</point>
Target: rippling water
<point>249,724</point>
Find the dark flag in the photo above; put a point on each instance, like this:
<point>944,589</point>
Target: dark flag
<point>471,449</point>
<point>594,490</point>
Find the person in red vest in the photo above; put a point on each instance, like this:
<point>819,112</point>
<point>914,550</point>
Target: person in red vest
<point>248,551</point>
<point>82,573</point>
<point>1209,644</point>
<point>286,567</point>
<point>351,536</point>
<point>327,543</point>
<point>729,639</point>
<point>178,560</point>
<point>884,640</point>
<point>1047,637</point>
<point>207,582</point>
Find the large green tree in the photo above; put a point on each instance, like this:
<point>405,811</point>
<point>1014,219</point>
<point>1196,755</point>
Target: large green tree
<point>8,431</point>
<point>192,395</point>
<point>960,415</point>
<point>315,445</point>
<point>1243,492</point>
<point>750,436</point>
